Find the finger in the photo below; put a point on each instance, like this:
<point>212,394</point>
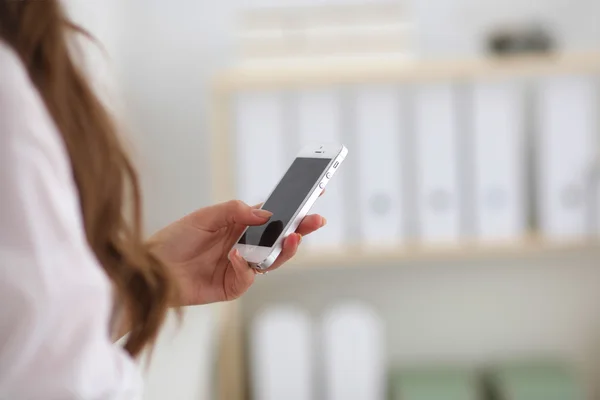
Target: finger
<point>290,247</point>
<point>243,272</point>
<point>232,212</point>
<point>311,223</point>
<point>322,193</point>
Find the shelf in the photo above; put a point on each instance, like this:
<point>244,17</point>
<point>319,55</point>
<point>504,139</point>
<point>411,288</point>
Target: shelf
<point>398,71</point>
<point>412,254</point>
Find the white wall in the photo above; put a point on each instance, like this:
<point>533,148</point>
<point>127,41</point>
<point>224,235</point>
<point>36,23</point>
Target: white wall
<point>159,72</point>
<point>183,362</point>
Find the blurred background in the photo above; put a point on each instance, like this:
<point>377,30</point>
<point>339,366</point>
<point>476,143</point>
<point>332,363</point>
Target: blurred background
<point>460,258</point>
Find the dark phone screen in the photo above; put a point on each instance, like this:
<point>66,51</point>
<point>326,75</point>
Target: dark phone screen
<point>285,200</point>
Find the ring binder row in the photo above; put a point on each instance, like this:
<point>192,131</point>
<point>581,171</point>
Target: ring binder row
<point>341,354</point>
<point>438,162</point>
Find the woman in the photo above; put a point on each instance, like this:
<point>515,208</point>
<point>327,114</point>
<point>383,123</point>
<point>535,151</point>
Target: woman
<point>75,272</point>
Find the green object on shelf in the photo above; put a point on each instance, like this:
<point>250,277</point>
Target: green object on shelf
<point>535,381</point>
<point>434,384</point>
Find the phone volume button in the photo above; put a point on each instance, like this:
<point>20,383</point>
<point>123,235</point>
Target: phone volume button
<point>322,185</point>
<point>328,175</point>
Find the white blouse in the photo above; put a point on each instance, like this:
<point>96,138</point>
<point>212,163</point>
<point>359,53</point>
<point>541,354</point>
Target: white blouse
<point>55,299</point>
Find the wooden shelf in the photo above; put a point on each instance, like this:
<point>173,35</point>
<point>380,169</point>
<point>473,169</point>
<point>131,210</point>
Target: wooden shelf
<point>353,256</point>
<point>398,71</point>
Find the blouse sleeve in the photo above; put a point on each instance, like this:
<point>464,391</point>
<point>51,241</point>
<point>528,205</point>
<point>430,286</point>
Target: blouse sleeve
<point>55,299</point>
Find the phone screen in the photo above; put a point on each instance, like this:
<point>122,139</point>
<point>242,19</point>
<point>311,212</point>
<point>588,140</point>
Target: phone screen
<point>285,200</point>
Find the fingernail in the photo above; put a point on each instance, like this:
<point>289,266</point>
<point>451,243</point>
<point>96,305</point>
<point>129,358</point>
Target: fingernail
<point>262,213</point>
<point>323,222</point>
<point>235,254</point>
<point>299,238</point>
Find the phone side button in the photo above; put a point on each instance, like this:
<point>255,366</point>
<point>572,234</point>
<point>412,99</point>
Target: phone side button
<point>322,185</point>
<point>328,175</point>
<point>336,164</point>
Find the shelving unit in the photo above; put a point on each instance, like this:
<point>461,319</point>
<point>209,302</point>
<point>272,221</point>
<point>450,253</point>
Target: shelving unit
<point>231,368</point>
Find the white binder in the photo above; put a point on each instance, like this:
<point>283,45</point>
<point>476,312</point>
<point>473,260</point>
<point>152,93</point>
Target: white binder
<point>499,161</point>
<point>436,138</point>
<point>259,144</point>
<point>281,355</point>
<point>320,121</point>
<point>353,351</point>
<point>380,161</point>
<point>567,112</point>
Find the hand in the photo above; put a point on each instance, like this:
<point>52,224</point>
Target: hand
<point>198,250</point>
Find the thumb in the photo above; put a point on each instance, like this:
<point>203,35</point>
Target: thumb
<point>234,212</point>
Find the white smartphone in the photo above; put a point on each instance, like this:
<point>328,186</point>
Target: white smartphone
<point>290,202</point>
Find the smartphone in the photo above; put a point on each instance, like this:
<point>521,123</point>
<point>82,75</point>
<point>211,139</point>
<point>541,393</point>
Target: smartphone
<point>290,202</point>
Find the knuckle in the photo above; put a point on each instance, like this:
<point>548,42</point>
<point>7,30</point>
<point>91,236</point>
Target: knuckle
<point>237,205</point>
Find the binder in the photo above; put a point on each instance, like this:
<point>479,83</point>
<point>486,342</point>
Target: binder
<point>535,380</point>
<point>436,139</point>
<point>353,351</point>
<point>499,161</point>
<point>258,138</point>
<point>320,121</point>
<point>380,161</point>
<point>566,145</point>
<point>281,355</point>
<point>435,383</point>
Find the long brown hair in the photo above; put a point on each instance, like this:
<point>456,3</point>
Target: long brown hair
<point>40,32</point>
